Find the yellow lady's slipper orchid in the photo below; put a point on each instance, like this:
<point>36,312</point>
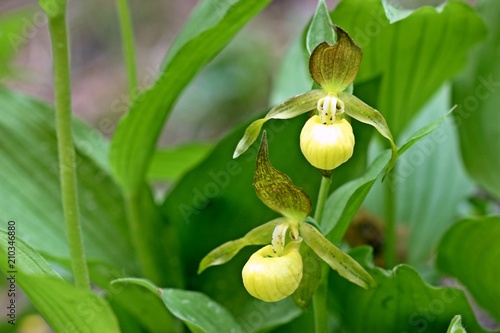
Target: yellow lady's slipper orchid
<point>271,277</point>
<point>327,140</point>
<point>333,68</point>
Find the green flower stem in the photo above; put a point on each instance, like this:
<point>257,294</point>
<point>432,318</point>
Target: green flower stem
<point>138,232</point>
<point>320,300</point>
<point>390,256</point>
<point>127,33</point>
<point>67,165</point>
<point>322,196</point>
<point>320,296</point>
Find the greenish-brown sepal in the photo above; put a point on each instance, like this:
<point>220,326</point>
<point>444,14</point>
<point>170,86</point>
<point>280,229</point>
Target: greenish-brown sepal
<point>334,67</point>
<point>260,235</point>
<point>290,108</point>
<point>311,276</point>
<point>456,325</point>
<point>358,110</point>
<point>296,105</point>
<point>251,134</point>
<point>276,189</point>
<point>346,266</point>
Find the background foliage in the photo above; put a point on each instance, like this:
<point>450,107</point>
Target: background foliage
<point>419,61</point>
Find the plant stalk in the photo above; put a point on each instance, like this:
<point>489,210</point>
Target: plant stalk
<point>67,165</point>
<point>138,232</point>
<point>127,33</point>
<point>390,256</point>
<point>140,236</point>
<point>320,296</point>
<point>322,196</point>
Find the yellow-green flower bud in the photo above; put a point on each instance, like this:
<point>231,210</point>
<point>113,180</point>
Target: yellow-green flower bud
<point>270,277</point>
<point>326,146</point>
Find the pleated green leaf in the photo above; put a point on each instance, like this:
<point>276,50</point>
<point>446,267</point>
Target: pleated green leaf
<point>476,92</point>
<point>65,307</point>
<point>339,261</point>
<point>30,189</point>
<point>344,202</point>
<point>260,235</point>
<point>199,312</point>
<point>469,251</point>
<point>402,302</point>
<point>210,27</point>
<point>276,189</point>
<point>430,181</point>
<point>412,57</point>
<point>171,164</point>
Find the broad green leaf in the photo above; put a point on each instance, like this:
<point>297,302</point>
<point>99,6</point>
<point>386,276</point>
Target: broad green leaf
<point>276,189</point>
<point>402,302</point>
<point>30,188</point>
<point>413,57</point>
<point>476,91</point>
<point>343,204</point>
<point>200,313</point>
<point>429,181</point>
<point>456,325</point>
<point>339,261</point>
<point>320,30</point>
<point>334,67</point>
<point>210,27</point>
<point>290,108</point>
<point>423,131</point>
<point>133,305</point>
<point>261,317</point>
<point>172,164</point>
<point>397,10</point>
<point>293,76</point>
<point>355,108</point>
<point>257,236</point>
<point>469,251</point>
<point>215,202</point>
<point>65,307</point>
